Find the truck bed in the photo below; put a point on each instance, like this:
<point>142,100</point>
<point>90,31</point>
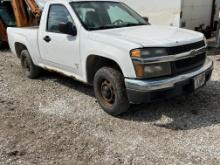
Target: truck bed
<point>27,35</point>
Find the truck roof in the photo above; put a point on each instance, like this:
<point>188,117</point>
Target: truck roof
<point>41,3</point>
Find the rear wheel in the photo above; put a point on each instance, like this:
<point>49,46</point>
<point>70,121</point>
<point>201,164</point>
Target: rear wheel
<point>110,91</point>
<point>30,70</point>
<point>1,43</point>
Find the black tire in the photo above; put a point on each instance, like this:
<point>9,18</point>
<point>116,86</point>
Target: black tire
<point>30,70</point>
<point>110,91</point>
<point>1,43</point>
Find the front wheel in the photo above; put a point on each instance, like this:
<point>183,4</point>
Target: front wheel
<point>110,91</point>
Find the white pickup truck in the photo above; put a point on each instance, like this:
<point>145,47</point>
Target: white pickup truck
<point>108,45</point>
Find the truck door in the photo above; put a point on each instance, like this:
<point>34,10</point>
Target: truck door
<point>58,49</point>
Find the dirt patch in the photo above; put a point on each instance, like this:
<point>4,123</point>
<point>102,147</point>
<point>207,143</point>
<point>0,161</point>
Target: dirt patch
<point>56,120</point>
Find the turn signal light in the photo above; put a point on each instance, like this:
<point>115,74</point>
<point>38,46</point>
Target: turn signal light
<point>136,53</point>
<point>139,69</point>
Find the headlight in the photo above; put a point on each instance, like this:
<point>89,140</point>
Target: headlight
<point>149,52</point>
<point>150,70</point>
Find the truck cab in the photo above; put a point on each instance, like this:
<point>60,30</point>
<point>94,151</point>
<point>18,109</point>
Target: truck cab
<point>110,46</point>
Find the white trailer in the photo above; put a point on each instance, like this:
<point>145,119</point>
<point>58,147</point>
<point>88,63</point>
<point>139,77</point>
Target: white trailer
<point>190,14</point>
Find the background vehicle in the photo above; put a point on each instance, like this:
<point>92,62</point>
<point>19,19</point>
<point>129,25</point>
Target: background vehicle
<point>18,13</point>
<point>3,36</point>
<point>110,46</point>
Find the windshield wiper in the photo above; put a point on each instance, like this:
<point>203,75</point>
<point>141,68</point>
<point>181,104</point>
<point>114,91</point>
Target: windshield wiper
<point>116,26</point>
<point>103,27</point>
<point>132,24</point>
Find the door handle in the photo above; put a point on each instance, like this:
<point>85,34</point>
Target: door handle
<point>47,39</point>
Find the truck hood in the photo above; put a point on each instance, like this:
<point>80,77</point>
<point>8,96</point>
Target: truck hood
<point>149,36</point>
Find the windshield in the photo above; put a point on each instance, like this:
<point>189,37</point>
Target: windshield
<point>95,15</point>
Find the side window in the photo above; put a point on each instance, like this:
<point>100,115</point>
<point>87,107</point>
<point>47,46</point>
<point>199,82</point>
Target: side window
<point>57,14</point>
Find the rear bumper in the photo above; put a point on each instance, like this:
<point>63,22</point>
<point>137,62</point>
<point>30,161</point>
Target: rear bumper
<point>142,91</point>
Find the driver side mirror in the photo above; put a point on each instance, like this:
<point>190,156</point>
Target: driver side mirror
<point>68,28</point>
<point>146,19</point>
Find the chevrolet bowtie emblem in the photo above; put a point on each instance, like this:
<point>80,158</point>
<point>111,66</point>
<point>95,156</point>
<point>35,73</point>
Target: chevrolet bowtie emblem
<point>194,53</point>
<point>197,52</point>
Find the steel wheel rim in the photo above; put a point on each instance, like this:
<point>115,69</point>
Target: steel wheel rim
<point>107,92</point>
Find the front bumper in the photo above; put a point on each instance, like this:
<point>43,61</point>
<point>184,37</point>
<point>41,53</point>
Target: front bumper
<point>142,91</point>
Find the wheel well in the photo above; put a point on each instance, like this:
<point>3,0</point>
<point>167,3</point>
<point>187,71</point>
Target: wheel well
<point>95,62</point>
<point>19,47</point>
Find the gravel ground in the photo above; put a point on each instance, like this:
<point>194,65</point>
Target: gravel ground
<point>56,120</point>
